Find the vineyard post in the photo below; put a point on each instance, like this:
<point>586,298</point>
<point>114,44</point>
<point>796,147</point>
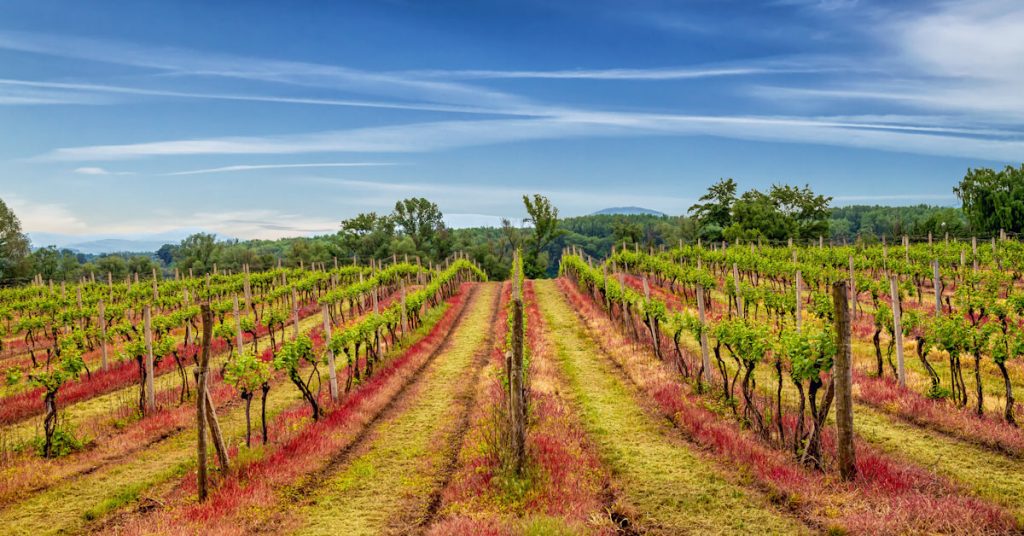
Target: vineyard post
<point>177,274</point>
<point>156,293</point>
<point>974,252</point>
<point>1002,235</point>
<point>736,280</point>
<point>704,355</point>
<point>103,335</point>
<point>405,320</point>
<point>332,372</point>
<point>799,306</point>
<point>516,392</point>
<point>937,284</point>
<point>897,330</point>
<point>110,285</point>
<point>247,287</point>
<point>906,248</point>
<point>821,242</point>
<point>295,311</point>
<point>843,374</point>
<point>201,371</point>
<point>853,291</point>
<point>238,325</point>
<point>150,392</point>
<point>929,238</point>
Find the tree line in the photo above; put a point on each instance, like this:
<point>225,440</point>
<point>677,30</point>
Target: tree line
<point>992,201</point>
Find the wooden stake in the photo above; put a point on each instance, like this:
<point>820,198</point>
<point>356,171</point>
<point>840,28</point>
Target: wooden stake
<point>842,370</point>
<point>897,330</point>
<point>150,391</point>
<point>103,335</point>
<point>332,372</point>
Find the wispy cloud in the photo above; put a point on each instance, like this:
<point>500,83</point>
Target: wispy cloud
<point>89,170</point>
<point>442,135</point>
<point>86,93</point>
<point>253,167</point>
<point>672,73</point>
<point>184,62</point>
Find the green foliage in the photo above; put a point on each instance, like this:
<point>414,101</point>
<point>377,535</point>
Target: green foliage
<point>12,376</point>
<point>993,200</point>
<point>247,372</point>
<point>64,442</point>
<point>294,354</point>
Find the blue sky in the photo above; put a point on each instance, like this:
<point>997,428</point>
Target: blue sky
<point>269,119</point>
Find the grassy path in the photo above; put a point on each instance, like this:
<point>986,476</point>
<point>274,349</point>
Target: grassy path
<point>386,487</point>
<point>986,473</point>
<point>674,488</point>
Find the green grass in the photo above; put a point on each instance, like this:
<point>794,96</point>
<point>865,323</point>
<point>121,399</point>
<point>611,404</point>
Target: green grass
<point>391,481</point>
<point>674,489</point>
<point>987,474</point>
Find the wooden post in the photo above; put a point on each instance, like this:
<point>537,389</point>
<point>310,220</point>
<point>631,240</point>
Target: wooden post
<point>201,372</point>
<point>332,372</point>
<point>842,370</point>
<point>517,394</point>
<point>404,318</point>
<point>853,291</point>
<point>103,335</point>
<point>799,305</point>
<point>974,252</point>
<point>295,311</point>
<point>937,284</point>
<point>238,325</point>
<point>739,299</point>
<point>704,355</point>
<point>897,330</point>
<point>150,391</point>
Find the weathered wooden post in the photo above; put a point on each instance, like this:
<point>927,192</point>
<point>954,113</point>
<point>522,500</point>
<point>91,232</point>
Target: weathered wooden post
<point>238,325</point>
<point>937,284</point>
<point>103,335</point>
<point>705,357</point>
<point>150,392</point>
<point>843,378</point>
<point>897,330</point>
<point>799,303</point>
<point>332,372</point>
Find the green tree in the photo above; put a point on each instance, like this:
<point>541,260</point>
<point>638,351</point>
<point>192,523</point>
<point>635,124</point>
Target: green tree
<point>993,200</point>
<point>544,217</point>
<point>419,219</point>
<point>15,263</point>
<point>198,252</point>
<point>715,207</point>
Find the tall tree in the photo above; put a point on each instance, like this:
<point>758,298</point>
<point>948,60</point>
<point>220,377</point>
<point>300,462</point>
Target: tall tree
<point>993,200</point>
<point>14,248</point>
<point>198,252</point>
<point>419,219</point>
<point>544,217</point>
<point>714,211</point>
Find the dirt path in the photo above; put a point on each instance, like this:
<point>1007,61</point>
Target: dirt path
<point>674,489</point>
<point>388,481</point>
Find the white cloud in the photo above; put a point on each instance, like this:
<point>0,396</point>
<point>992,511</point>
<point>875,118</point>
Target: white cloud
<point>441,135</point>
<point>183,62</point>
<point>45,217</point>
<point>91,171</point>
<point>252,167</point>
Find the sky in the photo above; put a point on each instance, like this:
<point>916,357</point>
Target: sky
<point>264,119</point>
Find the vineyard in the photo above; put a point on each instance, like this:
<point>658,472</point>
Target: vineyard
<point>704,389</point>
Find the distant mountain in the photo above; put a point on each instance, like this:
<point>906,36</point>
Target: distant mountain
<point>117,245</point>
<point>99,244</point>
<point>629,211</point>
